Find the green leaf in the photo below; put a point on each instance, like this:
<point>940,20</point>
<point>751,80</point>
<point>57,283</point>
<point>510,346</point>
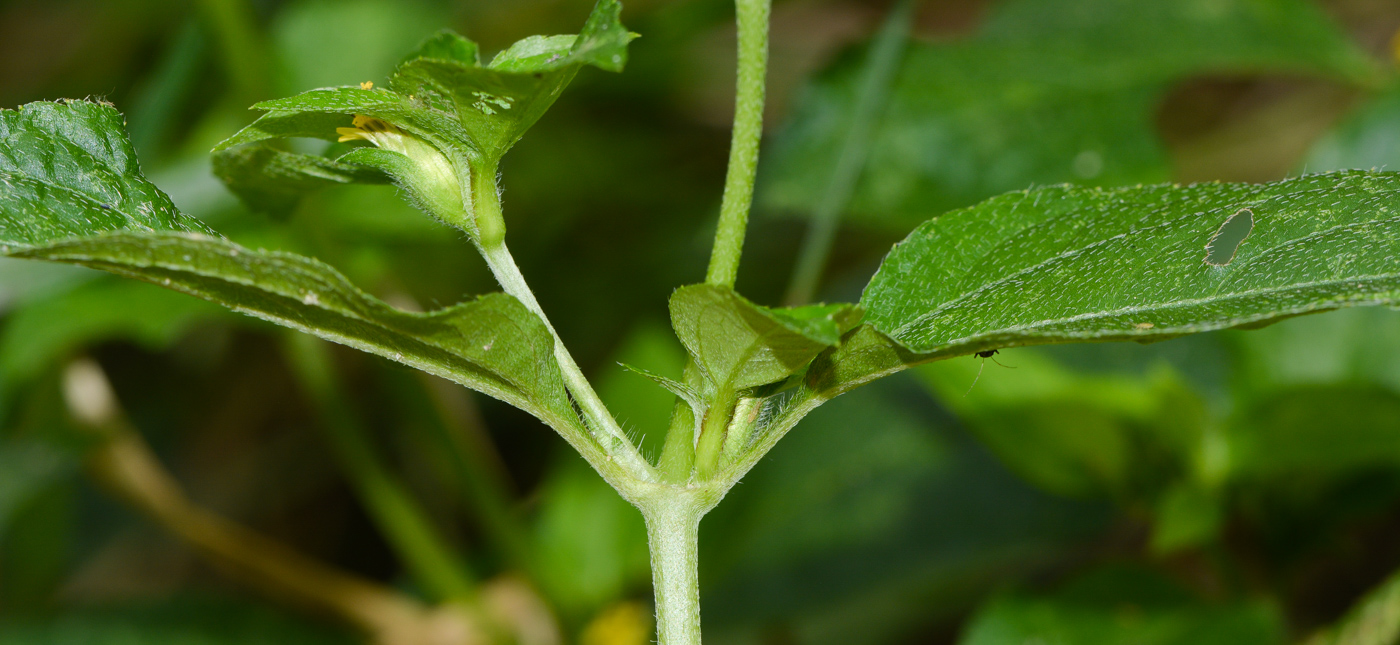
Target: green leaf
<point>446,120</point>
<point>1043,93</point>
<point>492,344</point>
<point>1356,346</point>
<point>591,543</point>
<point>90,206</point>
<point>273,181</point>
<point>740,345</point>
<point>1066,264</point>
<point>67,169</point>
<point>1186,516</point>
<point>1312,433</point>
<point>1124,607</point>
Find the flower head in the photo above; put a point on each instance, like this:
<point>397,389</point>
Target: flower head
<point>428,175</point>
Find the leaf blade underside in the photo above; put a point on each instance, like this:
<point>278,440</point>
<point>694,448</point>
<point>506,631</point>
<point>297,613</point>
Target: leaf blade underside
<point>71,191</point>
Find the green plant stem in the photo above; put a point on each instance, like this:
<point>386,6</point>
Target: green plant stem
<point>713,432</point>
<point>244,54</point>
<point>743,152</point>
<point>673,526</point>
<point>880,67</point>
<point>678,452</point>
<point>405,524</point>
<point>486,202</point>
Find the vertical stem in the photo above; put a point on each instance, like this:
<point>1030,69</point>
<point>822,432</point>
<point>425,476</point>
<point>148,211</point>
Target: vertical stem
<point>244,54</point>
<point>673,527</point>
<point>396,513</point>
<point>882,62</point>
<point>743,152</point>
<point>712,433</point>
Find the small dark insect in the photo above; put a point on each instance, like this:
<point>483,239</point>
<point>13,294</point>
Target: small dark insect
<point>984,355</point>
<point>105,207</point>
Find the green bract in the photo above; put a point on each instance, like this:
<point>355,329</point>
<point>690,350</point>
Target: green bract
<point>739,345</point>
<point>442,125</point>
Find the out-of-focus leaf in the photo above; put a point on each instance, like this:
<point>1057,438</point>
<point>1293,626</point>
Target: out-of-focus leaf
<point>323,43</point>
<point>1369,139</point>
<point>1187,515</point>
<point>1375,620</point>
<point>1353,346</point>
<point>925,513</point>
<point>43,331</point>
<point>185,621</point>
<point>1068,264</point>
<point>1044,93</point>
<point>70,191</point>
<point>592,544</point>
<point>465,109</point>
<point>1123,607</point>
<point>1306,433</point>
<point>740,345</point>
<point>26,468</point>
<point>273,181</point>
<point>1070,433</point>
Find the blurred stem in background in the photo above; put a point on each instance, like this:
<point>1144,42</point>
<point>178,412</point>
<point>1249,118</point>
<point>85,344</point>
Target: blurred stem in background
<point>458,433</point>
<point>243,53</point>
<point>435,566</point>
<point>882,62</point>
<point>155,110</point>
<point>122,462</point>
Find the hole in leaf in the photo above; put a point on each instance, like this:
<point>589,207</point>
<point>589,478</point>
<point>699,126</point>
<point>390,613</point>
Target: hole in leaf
<point>1226,241</point>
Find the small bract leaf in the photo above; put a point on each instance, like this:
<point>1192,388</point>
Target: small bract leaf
<point>740,345</point>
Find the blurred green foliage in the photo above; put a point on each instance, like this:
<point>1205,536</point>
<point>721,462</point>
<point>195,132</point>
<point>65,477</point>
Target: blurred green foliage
<point>1239,487</point>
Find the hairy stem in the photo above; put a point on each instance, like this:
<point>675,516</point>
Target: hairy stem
<point>881,64</point>
<point>743,151</point>
<point>673,526</point>
<point>404,522</point>
<point>713,432</point>
<point>606,431</point>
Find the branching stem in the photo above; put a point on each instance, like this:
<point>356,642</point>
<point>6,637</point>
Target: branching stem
<point>743,152</point>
